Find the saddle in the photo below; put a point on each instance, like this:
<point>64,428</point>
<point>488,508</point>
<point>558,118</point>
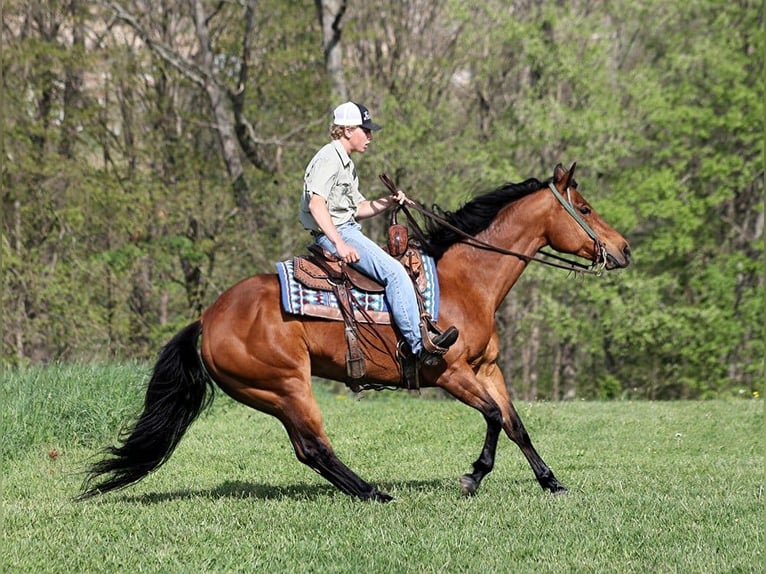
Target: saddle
<point>322,270</point>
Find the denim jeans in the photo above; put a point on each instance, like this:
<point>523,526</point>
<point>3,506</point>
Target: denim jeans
<point>376,263</point>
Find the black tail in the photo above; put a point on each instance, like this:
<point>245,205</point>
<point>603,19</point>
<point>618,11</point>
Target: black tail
<point>177,393</point>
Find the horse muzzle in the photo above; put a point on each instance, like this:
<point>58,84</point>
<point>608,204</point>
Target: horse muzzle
<point>618,260</point>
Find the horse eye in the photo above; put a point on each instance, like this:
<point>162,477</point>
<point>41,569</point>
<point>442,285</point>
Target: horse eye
<point>585,210</point>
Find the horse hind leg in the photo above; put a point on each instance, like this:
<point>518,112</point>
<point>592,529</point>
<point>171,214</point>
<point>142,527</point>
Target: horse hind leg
<point>315,451</point>
<point>302,419</point>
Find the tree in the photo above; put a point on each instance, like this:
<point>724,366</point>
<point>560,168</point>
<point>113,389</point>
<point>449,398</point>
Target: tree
<point>155,153</point>
<point>331,13</point>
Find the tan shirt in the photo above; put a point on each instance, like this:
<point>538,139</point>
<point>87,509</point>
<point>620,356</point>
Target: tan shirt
<point>331,174</point>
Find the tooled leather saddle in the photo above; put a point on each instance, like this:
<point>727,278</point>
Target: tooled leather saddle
<point>323,271</point>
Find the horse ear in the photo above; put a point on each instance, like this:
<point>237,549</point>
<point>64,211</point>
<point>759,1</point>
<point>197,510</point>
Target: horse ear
<point>570,175</point>
<point>558,173</point>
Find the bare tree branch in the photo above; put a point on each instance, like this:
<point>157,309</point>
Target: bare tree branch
<point>243,128</point>
<point>190,70</point>
<point>235,131</point>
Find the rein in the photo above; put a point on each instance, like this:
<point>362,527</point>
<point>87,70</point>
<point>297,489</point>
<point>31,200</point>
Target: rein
<point>595,268</point>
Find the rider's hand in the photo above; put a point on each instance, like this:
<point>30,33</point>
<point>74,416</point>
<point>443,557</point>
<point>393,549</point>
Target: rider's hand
<point>401,198</point>
<point>346,252</point>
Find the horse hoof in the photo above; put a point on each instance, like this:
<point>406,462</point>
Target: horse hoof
<point>559,490</point>
<point>379,496</point>
<point>468,485</point>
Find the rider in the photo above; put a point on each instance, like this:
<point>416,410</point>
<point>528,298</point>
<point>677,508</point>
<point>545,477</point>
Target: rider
<point>331,206</point>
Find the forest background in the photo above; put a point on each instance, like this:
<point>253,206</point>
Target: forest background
<point>153,155</point>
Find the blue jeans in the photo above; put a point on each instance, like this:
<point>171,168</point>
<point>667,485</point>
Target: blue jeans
<point>376,263</point>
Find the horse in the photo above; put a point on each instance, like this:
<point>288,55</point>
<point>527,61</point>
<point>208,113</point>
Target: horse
<point>265,358</point>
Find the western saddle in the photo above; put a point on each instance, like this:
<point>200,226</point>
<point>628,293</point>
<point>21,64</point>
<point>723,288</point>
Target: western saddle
<point>321,270</point>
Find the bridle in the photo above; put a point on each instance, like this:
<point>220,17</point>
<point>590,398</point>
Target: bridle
<point>596,266</point>
<point>599,260</point>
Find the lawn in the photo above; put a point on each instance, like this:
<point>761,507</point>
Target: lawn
<point>654,487</point>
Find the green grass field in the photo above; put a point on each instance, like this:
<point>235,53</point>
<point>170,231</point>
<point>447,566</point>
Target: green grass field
<point>654,487</point>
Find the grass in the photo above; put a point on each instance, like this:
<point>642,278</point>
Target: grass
<point>655,487</point>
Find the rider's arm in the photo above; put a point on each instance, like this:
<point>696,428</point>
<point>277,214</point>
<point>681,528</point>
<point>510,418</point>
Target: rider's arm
<point>321,213</point>
<point>371,207</point>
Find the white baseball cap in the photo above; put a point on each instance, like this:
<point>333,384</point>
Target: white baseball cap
<point>351,114</point>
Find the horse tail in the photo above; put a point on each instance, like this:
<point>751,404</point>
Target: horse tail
<point>177,393</point>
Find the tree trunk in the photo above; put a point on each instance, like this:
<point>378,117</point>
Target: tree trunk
<point>330,16</point>
<point>506,326</point>
<point>556,376</point>
<point>21,312</point>
<point>217,97</point>
<point>568,370</point>
<point>532,349</point>
<point>72,84</point>
<point>141,316</point>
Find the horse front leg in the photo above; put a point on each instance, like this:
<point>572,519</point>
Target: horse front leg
<point>493,380</point>
<point>515,430</point>
<point>464,385</point>
<point>485,391</point>
<point>469,483</point>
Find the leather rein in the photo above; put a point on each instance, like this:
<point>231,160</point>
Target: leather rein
<point>596,267</point>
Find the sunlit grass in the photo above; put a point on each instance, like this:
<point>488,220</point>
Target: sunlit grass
<point>655,487</point>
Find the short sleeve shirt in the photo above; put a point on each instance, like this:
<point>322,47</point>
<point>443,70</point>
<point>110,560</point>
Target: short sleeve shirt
<point>331,174</point>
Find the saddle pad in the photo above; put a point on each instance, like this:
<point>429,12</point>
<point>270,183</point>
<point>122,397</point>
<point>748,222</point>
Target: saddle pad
<point>297,299</point>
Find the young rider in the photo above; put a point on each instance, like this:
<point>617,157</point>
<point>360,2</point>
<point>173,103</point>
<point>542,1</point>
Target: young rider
<point>332,206</point>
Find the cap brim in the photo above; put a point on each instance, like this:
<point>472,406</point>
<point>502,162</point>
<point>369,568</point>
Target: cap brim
<point>372,126</point>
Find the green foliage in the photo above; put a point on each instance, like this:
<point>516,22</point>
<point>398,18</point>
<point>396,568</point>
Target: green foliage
<point>121,221</point>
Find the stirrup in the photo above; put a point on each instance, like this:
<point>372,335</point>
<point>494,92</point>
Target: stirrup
<point>446,339</point>
<point>435,348</point>
<point>441,341</point>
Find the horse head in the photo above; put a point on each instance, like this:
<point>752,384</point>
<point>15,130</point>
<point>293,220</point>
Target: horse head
<point>576,228</point>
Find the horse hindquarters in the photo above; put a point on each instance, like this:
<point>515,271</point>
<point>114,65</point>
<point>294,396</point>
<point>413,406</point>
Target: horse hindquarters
<point>176,394</point>
<point>263,358</point>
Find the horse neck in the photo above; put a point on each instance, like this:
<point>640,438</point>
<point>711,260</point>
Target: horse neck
<point>485,276</point>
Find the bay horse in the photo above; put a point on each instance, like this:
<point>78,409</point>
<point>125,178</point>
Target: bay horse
<point>265,358</point>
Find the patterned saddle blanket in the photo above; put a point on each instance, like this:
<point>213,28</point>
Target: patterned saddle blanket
<point>298,299</point>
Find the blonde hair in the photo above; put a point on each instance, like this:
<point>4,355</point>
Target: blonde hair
<point>336,131</point>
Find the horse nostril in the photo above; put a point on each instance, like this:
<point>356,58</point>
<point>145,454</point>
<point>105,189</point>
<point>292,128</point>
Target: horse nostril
<point>626,253</point>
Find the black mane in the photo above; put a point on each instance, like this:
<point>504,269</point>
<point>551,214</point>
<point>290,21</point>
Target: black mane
<point>475,216</point>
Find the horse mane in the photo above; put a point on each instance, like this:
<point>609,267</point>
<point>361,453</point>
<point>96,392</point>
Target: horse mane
<point>475,215</point>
